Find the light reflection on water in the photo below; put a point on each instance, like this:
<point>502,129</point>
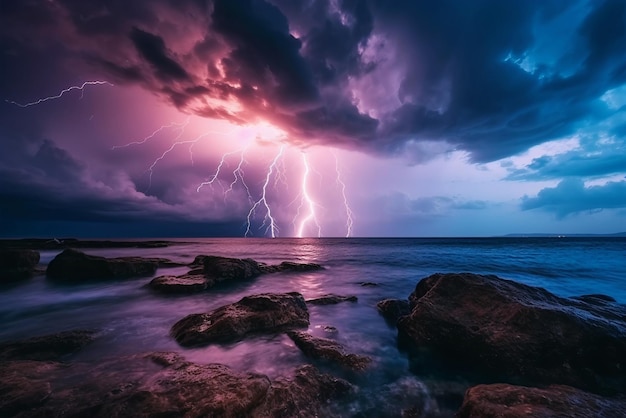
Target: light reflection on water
<point>133,319</point>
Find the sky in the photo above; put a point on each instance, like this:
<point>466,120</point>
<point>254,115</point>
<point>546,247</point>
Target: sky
<point>332,118</point>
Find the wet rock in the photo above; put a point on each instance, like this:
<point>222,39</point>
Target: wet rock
<point>517,331</point>
<point>47,347</point>
<point>187,283</point>
<point>223,268</point>
<point>503,400</point>
<point>17,264</point>
<point>368,284</point>
<point>287,266</point>
<point>323,348</point>
<point>392,309</point>
<point>264,313</point>
<point>73,265</point>
<point>331,299</point>
<point>306,395</point>
<point>24,385</point>
<point>163,385</point>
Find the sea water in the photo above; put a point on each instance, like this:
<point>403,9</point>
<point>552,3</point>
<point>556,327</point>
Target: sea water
<point>132,318</point>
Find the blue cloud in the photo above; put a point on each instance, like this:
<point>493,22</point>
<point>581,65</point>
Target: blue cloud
<point>571,196</point>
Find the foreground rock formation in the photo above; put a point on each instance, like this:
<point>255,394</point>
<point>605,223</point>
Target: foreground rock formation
<point>516,332</point>
<point>264,313</point>
<point>73,265</point>
<point>160,384</point>
<point>17,264</point>
<point>502,400</point>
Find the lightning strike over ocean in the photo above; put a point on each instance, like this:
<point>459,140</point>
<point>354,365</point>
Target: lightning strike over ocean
<point>342,188</point>
<point>268,221</point>
<point>308,202</point>
<point>62,92</point>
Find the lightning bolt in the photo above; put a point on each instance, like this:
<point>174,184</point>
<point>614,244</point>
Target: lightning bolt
<point>58,96</point>
<point>181,126</point>
<point>176,142</point>
<point>306,200</point>
<point>342,188</point>
<point>271,227</point>
<point>238,176</point>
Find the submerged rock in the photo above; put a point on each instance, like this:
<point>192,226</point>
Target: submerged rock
<point>186,283</point>
<point>517,331</point>
<point>17,264</point>
<point>264,313</point>
<point>323,348</point>
<point>503,400</point>
<point>331,299</point>
<point>393,309</point>
<point>73,265</point>
<point>161,384</point>
<point>47,347</point>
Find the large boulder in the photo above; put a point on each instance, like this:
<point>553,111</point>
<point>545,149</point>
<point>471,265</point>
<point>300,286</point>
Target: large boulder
<point>323,348</point>
<point>393,309</point>
<point>219,269</point>
<point>47,347</point>
<point>508,401</point>
<point>17,263</point>
<point>519,332</point>
<point>74,265</point>
<point>264,313</point>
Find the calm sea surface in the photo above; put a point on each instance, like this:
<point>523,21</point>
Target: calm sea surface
<point>134,319</point>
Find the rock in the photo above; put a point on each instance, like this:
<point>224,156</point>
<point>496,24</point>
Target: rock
<point>264,313</point>
<point>17,264</point>
<point>163,385</point>
<point>331,299</point>
<point>24,385</point>
<point>368,284</point>
<point>287,266</point>
<point>73,265</point>
<point>503,400</point>
<point>47,347</point>
<point>514,331</point>
<point>323,348</point>
<point>392,309</point>
<point>187,283</point>
<point>306,395</point>
<point>223,268</point>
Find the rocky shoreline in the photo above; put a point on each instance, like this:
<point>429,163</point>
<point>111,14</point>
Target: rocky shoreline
<point>530,352</point>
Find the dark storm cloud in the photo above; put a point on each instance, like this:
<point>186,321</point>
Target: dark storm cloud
<point>571,196</point>
<point>489,77</point>
<point>152,48</point>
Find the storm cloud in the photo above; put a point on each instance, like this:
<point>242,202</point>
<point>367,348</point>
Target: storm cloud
<point>368,75</point>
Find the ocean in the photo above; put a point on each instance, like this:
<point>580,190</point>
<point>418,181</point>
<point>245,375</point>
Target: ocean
<point>133,319</point>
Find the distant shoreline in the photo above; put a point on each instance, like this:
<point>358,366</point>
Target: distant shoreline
<point>61,243</point>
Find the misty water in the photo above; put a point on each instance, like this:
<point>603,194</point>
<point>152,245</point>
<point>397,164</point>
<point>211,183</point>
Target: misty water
<point>133,319</point>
